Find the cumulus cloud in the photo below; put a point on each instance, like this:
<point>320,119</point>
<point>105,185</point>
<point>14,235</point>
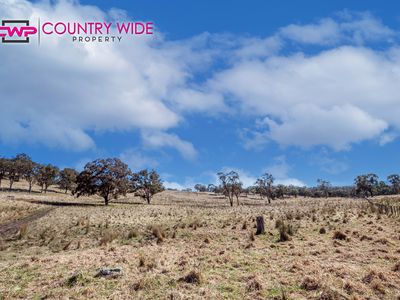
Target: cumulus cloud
<point>60,93</point>
<point>356,28</point>
<point>337,97</point>
<point>137,160</point>
<point>280,170</point>
<point>327,163</point>
<point>158,139</point>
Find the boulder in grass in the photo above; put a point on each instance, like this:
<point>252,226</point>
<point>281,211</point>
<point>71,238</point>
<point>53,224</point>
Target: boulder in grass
<point>109,272</point>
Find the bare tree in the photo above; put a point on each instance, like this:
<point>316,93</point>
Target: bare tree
<point>146,184</point>
<point>105,177</point>
<point>230,185</point>
<point>67,180</point>
<point>47,176</point>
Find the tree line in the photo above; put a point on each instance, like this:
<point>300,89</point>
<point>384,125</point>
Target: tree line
<point>108,178</point>
<point>111,178</point>
<point>366,185</point>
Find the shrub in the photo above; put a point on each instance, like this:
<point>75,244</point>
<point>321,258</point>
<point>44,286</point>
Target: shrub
<point>22,232</point>
<point>396,267</point>
<point>193,277</point>
<point>338,235</point>
<point>285,231</point>
<point>310,284</point>
<point>253,284</point>
<point>107,237</point>
<point>158,233</point>
<point>133,233</point>
<point>75,279</point>
<point>322,230</point>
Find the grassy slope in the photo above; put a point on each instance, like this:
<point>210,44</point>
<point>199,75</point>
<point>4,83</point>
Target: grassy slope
<point>158,244</point>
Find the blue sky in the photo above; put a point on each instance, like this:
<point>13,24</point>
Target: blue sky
<point>301,89</point>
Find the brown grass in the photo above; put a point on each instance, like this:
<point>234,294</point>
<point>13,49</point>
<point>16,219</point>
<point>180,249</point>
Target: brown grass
<point>161,248</point>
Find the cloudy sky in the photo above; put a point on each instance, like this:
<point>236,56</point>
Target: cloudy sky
<point>300,92</point>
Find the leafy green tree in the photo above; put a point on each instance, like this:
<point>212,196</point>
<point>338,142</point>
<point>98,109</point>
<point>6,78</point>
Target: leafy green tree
<point>67,179</point>
<point>211,188</point>
<point>394,180</point>
<point>264,186</point>
<point>200,187</point>
<point>366,184</point>
<point>146,184</point>
<point>231,185</point>
<point>3,168</point>
<point>47,176</point>
<point>31,173</point>
<point>108,178</point>
<point>324,186</point>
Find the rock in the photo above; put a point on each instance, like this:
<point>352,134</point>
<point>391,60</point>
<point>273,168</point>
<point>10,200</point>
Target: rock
<point>109,272</point>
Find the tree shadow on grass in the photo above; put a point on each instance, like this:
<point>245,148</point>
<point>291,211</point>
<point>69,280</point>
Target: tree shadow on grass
<point>63,203</point>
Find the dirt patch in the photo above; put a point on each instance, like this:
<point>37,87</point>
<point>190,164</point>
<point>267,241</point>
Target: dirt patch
<point>10,228</point>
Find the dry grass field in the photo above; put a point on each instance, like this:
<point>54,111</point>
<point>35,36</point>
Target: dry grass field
<point>194,246</point>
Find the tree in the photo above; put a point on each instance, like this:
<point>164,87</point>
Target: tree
<point>394,180</point>
<point>108,178</point>
<point>146,184</point>
<point>230,185</point>
<point>200,187</point>
<point>264,186</point>
<point>67,180</point>
<point>366,184</point>
<point>31,173</point>
<point>47,176</point>
<point>280,191</point>
<point>12,172</point>
<point>211,188</point>
<point>18,167</point>
<point>324,186</point>
<point>3,168</point>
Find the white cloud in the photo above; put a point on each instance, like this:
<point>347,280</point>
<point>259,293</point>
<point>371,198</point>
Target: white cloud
<point>388,138</point>
<point>328,164</point>
<point>336,97</point>
<point>173,185</point>
<point>57,93</point>
<point>157,139</point>
<point>280,171</point>
<point>137,160</point>
<point>351,28</point>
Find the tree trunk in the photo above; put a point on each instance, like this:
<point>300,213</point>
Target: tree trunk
<point>106,200</point>
<point>11,184</point>
<point>30,187</point>
<point>260,225</point>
